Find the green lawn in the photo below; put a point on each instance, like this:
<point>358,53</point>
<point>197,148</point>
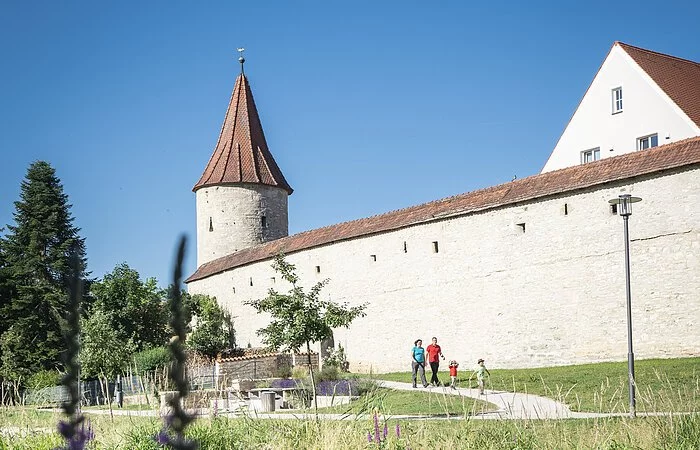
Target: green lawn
<point>391,402</point>
<point>662,384</point>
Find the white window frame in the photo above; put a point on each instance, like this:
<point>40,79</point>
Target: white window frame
<point>590,155</point>
<point>648,137</point>
<point>617,100</point>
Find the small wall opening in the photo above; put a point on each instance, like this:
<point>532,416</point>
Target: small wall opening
<point>613,208</point>
<point>251,281</point>
<point>405,247</point>
<point>318,269</point>
<point>521,227</point>
<point>263,222</point>
<point>566,209</point>
<point>233,289</point>
<point>436,247</point>
<point>211,225</point>
<point>373,257</point>
<point>273,280</point>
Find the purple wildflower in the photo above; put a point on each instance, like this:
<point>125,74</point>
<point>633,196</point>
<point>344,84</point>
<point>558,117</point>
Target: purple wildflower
<point>376,429</point>
<point>163,438</point>
<point>398,431</point>
<point>75,439</point>
<point>369,437</point>
<point>386,430</point>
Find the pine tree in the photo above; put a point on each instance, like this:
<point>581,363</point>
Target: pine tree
<point>36,252</point>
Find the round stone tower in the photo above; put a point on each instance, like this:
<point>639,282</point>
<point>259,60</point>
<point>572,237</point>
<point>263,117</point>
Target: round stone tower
<point>242,194</point>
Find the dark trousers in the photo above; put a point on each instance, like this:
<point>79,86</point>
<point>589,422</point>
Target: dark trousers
<point>418,368</point>
<point>434,367</point>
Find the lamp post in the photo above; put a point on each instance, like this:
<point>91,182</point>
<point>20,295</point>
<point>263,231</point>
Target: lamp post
<point>624,209</point>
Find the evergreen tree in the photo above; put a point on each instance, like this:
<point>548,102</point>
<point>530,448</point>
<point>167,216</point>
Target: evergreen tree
<point>34,270</point>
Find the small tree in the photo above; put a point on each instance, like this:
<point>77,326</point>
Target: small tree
<point>213,331</point>
<point>102,351</point>
<point>300,318</point>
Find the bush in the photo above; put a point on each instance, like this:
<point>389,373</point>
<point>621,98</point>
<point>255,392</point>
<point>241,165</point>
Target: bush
<point>337,358</point>
<point>329,373</point>
<point>300,372</point>
<point>151,359</point>
<point>43,379</point>
<point>283,371</point>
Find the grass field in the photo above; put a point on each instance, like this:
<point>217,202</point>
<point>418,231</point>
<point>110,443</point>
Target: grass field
<point>662,384</point>
<point>136,433</point>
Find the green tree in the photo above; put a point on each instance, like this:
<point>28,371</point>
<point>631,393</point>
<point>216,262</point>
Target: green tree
<point>136,309</point>
<point>34,273</point>
<point>102,351</point>
<point>300,318</point>
<point>213,331</point>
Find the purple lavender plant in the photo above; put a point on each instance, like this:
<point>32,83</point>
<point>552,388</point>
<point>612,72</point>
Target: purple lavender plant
<point>337,387</point>
<point>73,430</point>
<point>284,383</point>
<point>172,433</point>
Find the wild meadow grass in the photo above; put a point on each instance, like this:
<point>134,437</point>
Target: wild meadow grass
<point>662,384</point>
<point>37,431</point>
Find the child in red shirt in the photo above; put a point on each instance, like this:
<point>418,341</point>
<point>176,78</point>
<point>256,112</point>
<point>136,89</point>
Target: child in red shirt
<point>453,373</point>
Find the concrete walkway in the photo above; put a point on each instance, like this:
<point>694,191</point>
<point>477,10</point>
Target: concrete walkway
<point>511,405</point>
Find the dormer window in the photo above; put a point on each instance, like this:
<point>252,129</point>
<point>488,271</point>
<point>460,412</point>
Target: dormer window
<point>590,155</point>
<point>646,142</point>
<point>617,100</point>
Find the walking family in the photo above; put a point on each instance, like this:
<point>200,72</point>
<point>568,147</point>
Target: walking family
<point>432,355</point>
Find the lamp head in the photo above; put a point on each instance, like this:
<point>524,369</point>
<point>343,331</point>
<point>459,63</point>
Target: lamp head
<point>624,204</point>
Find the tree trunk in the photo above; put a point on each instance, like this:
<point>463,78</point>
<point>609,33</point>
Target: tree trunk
<point>109,398</point>
<point>313,379</point>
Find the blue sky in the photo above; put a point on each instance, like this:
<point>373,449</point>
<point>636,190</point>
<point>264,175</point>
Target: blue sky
<point>367,106</point>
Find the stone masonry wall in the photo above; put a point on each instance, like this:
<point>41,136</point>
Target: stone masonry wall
<point>259,367</point>
<point>533,284</point>
<point>229,218</point>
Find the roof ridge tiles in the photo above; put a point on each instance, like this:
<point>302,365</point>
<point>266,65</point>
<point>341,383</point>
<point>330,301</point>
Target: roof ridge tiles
<point>666,55</point>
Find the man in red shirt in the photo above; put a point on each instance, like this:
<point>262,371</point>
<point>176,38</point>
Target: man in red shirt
<point>434,353</point>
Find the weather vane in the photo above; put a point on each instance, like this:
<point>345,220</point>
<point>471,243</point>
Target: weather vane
<point>241,59</point>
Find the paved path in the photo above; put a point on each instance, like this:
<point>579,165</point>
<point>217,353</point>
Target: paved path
<point>511,405</point>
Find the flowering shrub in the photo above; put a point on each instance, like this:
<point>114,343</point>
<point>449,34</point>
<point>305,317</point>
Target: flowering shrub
<point>285,383</point>
<point>338,387</point>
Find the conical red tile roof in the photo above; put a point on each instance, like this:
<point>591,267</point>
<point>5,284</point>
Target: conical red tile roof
<point>679,78</point>
<point>241,154</point>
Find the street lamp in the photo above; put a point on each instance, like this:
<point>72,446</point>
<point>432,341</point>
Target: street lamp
<point>624,209</point>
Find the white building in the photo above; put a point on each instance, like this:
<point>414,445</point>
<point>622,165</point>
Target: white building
<point>526,273</point>
<point>638,99</point>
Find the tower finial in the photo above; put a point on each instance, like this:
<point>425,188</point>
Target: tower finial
<point>241,59</point>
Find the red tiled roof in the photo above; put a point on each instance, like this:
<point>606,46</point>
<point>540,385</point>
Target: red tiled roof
<point>678,78</point>
<point>674,155</point>
<point>241,154</point>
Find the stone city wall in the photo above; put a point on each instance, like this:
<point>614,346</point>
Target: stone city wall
<point>533,284</point>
